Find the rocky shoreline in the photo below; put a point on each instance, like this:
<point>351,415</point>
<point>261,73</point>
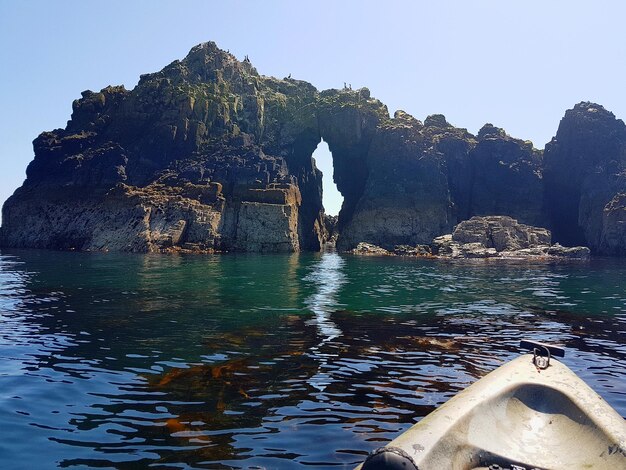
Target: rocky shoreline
<point>208,155</point>
<point>498,237</point>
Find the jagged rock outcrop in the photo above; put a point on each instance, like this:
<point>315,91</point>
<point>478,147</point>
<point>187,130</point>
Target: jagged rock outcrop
<point>422,179</point>
<point>485,237</point>
<point>585,172</point>
<point>406,198</point>
<point>502,237</point>
<point>500,233</point>
<point>208,154</point>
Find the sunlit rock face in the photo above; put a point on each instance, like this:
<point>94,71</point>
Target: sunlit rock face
<point>208,154</point>
<point>502,237</point>
<point>205,155</point>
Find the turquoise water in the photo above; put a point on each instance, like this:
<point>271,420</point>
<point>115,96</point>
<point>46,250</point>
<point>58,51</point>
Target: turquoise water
<point>271,361</point>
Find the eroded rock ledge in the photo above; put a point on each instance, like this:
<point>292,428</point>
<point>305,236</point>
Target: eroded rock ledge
<point>208,154</point>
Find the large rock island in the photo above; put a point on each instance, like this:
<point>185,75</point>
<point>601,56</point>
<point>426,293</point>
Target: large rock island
<point>208,154</point>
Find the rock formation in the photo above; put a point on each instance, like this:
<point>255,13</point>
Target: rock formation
<point>330,224</point>
<point>208,154</point>
<point>503,237</point>
<point>368,249</point>
<point>204,153</point>
<point>585,179</point>
<point>613,238</point>
<point>485,237</point>
<point>506,177</point>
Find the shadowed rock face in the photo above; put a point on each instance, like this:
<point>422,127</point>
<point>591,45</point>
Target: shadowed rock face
<point>208,154</point>
<point>584,172</point>
<point>348,121</point>
<point>506,177</point>
<point>406,199</point>
<point>613,239</point>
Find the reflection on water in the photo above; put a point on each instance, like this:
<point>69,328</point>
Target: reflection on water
<point>327,278</point>
<point>241,361</point>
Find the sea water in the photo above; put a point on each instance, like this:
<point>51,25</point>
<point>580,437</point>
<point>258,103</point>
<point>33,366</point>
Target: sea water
<point>272,361</point>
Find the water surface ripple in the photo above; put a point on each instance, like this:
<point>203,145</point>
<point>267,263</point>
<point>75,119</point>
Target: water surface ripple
<point>271,361</point>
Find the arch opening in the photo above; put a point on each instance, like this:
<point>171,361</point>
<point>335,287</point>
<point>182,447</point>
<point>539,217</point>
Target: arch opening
<point>332,199</point>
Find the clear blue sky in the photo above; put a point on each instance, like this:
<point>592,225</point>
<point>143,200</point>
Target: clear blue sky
<point>516,64</point>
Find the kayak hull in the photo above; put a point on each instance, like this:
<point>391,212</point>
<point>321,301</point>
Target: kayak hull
<point>518,415</point>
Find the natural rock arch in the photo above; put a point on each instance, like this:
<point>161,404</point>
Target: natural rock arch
<point>208,154</point>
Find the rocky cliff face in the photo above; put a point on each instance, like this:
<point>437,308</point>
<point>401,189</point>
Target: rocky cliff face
<point>423,178</point>
<point>205,153</point>
<point>208,154</point>
<point>585,179</point>
<point>507,177</point>
<point>405,196</point>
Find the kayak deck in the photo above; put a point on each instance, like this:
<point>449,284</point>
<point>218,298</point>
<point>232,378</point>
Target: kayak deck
<point>517,417</point>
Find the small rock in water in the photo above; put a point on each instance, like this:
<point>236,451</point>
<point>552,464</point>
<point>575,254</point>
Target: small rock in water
<point>406,250</point>
<point>364,248</point>
<point>502,237</point>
